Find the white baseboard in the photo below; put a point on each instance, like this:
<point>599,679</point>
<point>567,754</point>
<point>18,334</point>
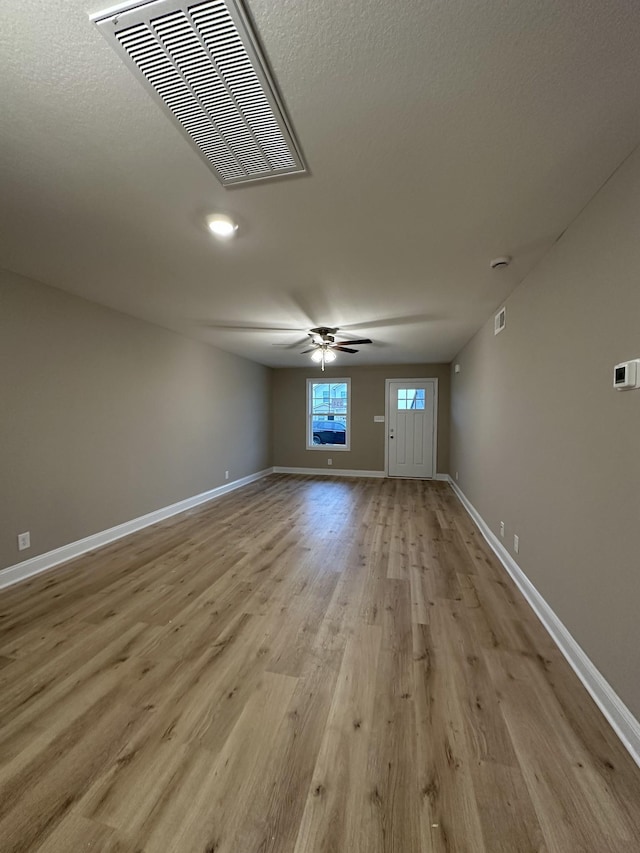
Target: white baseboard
<point>625,725</point>
<point>341,472</point>
<point>328,472</point>
<point>28,568</point>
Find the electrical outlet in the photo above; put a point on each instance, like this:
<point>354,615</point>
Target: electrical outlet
<point>24,541</point>
<point>226,475</point>
<point>502,529</point>
<point>516,543</point>
<point>329,461</point>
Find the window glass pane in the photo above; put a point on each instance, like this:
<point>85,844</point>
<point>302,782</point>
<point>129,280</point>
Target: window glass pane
<point>338,397</point>
<point>411,398</point>
<point>320,397</point>
<point>328,413</point>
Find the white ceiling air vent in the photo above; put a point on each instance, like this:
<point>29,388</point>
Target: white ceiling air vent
<point>500,321</point>
<point>202,63</point>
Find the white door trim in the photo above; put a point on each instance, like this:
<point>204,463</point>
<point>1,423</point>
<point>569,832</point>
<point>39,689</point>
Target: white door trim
<point>387,383</point>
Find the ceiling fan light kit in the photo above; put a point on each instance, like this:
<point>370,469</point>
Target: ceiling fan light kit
<point>323,355</point>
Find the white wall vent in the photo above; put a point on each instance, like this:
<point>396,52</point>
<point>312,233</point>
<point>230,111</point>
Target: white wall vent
<point>500,321</point>
<point>201,61</point>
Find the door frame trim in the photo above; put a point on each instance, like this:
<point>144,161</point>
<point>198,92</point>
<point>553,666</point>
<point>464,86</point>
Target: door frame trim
<point>387,383</point>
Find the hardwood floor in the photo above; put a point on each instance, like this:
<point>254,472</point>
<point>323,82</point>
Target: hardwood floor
<point>303,666</point>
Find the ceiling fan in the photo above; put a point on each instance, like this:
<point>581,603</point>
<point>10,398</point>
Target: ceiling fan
<point>324,345</point>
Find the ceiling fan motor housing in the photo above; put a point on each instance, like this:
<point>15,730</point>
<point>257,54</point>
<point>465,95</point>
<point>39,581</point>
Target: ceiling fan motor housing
<point>327,334</point>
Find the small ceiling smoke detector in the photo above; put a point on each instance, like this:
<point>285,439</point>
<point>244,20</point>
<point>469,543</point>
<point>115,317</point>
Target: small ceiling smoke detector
<point>500,263</point>
<point>221,226</point>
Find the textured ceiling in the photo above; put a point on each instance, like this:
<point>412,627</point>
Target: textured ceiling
<point>438,135</point>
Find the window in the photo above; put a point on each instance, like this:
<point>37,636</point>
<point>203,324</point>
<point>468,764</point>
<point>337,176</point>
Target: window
<point>328,415</point>
<point>410,398</point>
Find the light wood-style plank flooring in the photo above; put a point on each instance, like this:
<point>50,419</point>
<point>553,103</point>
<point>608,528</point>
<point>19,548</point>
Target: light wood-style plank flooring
<point>303,666</point>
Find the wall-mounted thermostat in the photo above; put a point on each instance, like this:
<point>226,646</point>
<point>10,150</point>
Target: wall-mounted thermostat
<point>627,375</point>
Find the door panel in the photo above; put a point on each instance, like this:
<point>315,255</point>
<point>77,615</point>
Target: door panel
<point>411,427</point>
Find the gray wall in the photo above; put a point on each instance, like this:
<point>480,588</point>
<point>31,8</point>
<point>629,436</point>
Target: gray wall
<point>367,400</point>
<point>543,442</point>
<point>105,417</point>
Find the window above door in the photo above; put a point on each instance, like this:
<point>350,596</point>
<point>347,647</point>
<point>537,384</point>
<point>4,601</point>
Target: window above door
<point>410,398</point>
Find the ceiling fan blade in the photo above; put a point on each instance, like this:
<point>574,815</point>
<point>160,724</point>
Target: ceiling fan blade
<point>343,349</point>
<point>392,321</point>
<point>230,327</point>
<point>309,301</point>
<point>360,341</point>
<point>304,351</point>
<point>300,342</point>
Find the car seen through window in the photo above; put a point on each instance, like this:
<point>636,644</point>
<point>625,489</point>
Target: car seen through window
<point>328,431</point>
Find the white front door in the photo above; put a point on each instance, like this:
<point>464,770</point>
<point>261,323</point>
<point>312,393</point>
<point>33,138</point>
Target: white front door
<point>411,408</point>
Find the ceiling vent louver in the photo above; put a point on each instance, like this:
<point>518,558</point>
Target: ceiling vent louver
<point>202,63</point>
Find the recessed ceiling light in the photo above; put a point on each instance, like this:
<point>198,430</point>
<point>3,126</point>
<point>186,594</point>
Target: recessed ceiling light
<point>222,226</point>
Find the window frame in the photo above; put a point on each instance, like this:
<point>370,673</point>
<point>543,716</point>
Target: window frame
<point>309,415</point>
